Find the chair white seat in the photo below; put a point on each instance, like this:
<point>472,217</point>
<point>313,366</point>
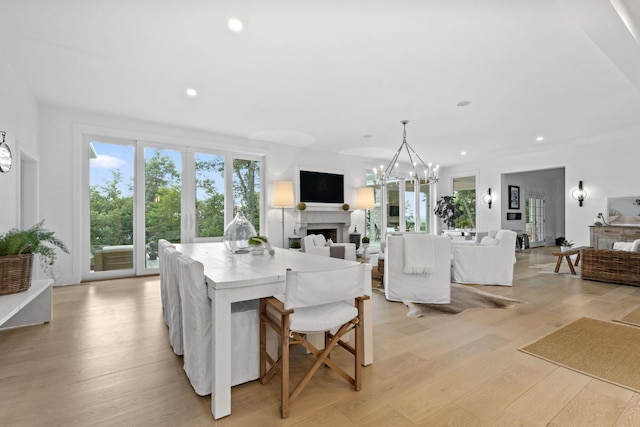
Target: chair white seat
<point>322,317</point>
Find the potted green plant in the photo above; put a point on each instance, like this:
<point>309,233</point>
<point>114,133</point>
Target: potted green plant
<point>446,210</point>
<point>17,248</point>
<point>566,245</point>
<point>257,244</point>
<point>302,206</point>
<point>346,207</point>
<point>365,241</point>
<point>295,245</point>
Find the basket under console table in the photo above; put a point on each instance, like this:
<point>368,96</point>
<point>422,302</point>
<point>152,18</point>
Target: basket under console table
<point>28,307</point>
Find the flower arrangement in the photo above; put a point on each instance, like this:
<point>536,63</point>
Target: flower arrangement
<point>257,240</point>
<point>259,243</point>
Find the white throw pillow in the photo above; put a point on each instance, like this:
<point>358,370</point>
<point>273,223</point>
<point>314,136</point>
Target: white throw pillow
<point>330,242</point>
<point>636,246</point>
<point>622,246</point>
<point>489,241</point>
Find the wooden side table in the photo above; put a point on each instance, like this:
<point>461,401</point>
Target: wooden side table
<point>567,256</point>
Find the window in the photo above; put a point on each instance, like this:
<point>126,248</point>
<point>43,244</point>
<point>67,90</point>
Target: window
<point>464,192</point>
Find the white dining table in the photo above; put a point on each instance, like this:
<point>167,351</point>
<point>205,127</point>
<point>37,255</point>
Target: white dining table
<point>242,277</point>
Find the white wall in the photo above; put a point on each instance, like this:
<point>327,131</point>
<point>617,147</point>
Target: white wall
<point>61,178</point>
<point>607,170</point>
<point>19,119</point>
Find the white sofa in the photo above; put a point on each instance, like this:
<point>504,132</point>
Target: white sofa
<point>488,263</point>
<point>432,288</point>
<point>316,244</point>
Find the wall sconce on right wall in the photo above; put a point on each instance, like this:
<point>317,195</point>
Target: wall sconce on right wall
<point>579,193</point>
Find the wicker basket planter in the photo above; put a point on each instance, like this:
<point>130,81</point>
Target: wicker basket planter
<point>15,273</point>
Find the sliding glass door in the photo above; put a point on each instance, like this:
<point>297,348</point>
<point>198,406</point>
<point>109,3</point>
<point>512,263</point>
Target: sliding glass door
<point>141,192</point>
<point>110,248</point>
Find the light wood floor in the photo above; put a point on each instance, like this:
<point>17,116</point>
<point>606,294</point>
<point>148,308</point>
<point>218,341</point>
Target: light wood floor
<point>105,360</point>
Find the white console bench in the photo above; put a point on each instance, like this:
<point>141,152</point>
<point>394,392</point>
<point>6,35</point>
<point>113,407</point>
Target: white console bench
<point>27,308</point>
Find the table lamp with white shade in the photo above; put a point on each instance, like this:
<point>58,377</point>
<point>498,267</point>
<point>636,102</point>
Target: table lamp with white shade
<point>365,199</point>
<point>283,198</point>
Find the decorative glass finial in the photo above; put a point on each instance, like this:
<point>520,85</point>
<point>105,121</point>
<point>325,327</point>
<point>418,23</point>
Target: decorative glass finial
<point>237,234</point>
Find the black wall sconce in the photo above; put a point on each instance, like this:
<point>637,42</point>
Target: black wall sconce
<point>579,194</point>
<point>487,198</point>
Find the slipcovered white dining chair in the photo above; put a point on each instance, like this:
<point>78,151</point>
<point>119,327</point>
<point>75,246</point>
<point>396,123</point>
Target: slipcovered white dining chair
<point>196,312</point>
<point>417,268</point>
<point>173,299</point>
<point>329,301</point>
<point>162,244</point>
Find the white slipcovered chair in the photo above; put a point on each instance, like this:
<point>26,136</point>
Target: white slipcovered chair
<point>173,299</point>
<point>196,311</point>
<point>162,244</point>
<point>488,263</point>
<point>316,244</point>
<point>417,268</point>
<point>627,246</point>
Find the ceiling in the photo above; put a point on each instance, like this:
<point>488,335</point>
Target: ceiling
<point>340,76</point>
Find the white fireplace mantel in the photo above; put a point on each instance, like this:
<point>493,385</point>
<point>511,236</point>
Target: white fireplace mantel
<point>309,220</point>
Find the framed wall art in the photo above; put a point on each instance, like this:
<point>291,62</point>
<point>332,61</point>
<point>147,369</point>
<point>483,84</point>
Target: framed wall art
<point>514,197</point>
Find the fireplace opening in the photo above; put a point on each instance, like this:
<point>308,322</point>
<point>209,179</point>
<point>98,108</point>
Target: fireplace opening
<point>328,233</point>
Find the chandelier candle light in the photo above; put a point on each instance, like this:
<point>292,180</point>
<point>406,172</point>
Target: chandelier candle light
<point>391,171</point>
<point>419,172</point>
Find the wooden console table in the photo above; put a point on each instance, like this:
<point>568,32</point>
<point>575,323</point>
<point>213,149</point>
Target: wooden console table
<point>567,256</point>
<point>27,308</point>
<point>603,237</point>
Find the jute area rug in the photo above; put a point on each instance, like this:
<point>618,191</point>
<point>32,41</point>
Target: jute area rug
<point>550,267</point>
<point>462,298</point>
<point>632,318</point>
<point>603,350</point>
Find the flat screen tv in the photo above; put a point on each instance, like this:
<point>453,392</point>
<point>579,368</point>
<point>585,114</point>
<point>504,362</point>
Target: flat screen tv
<point>321,187</point>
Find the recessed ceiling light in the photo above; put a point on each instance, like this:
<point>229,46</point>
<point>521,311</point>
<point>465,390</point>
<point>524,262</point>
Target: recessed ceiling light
<point>463,103</point>
<point>463,153</point>
<point>191,92</point>
<point>235,24</point>
<point>540,138</point>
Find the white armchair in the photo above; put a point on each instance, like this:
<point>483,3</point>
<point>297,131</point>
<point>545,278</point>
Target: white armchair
<point>434,287</point>
<point>316,244</point>
<point>488,263</point>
